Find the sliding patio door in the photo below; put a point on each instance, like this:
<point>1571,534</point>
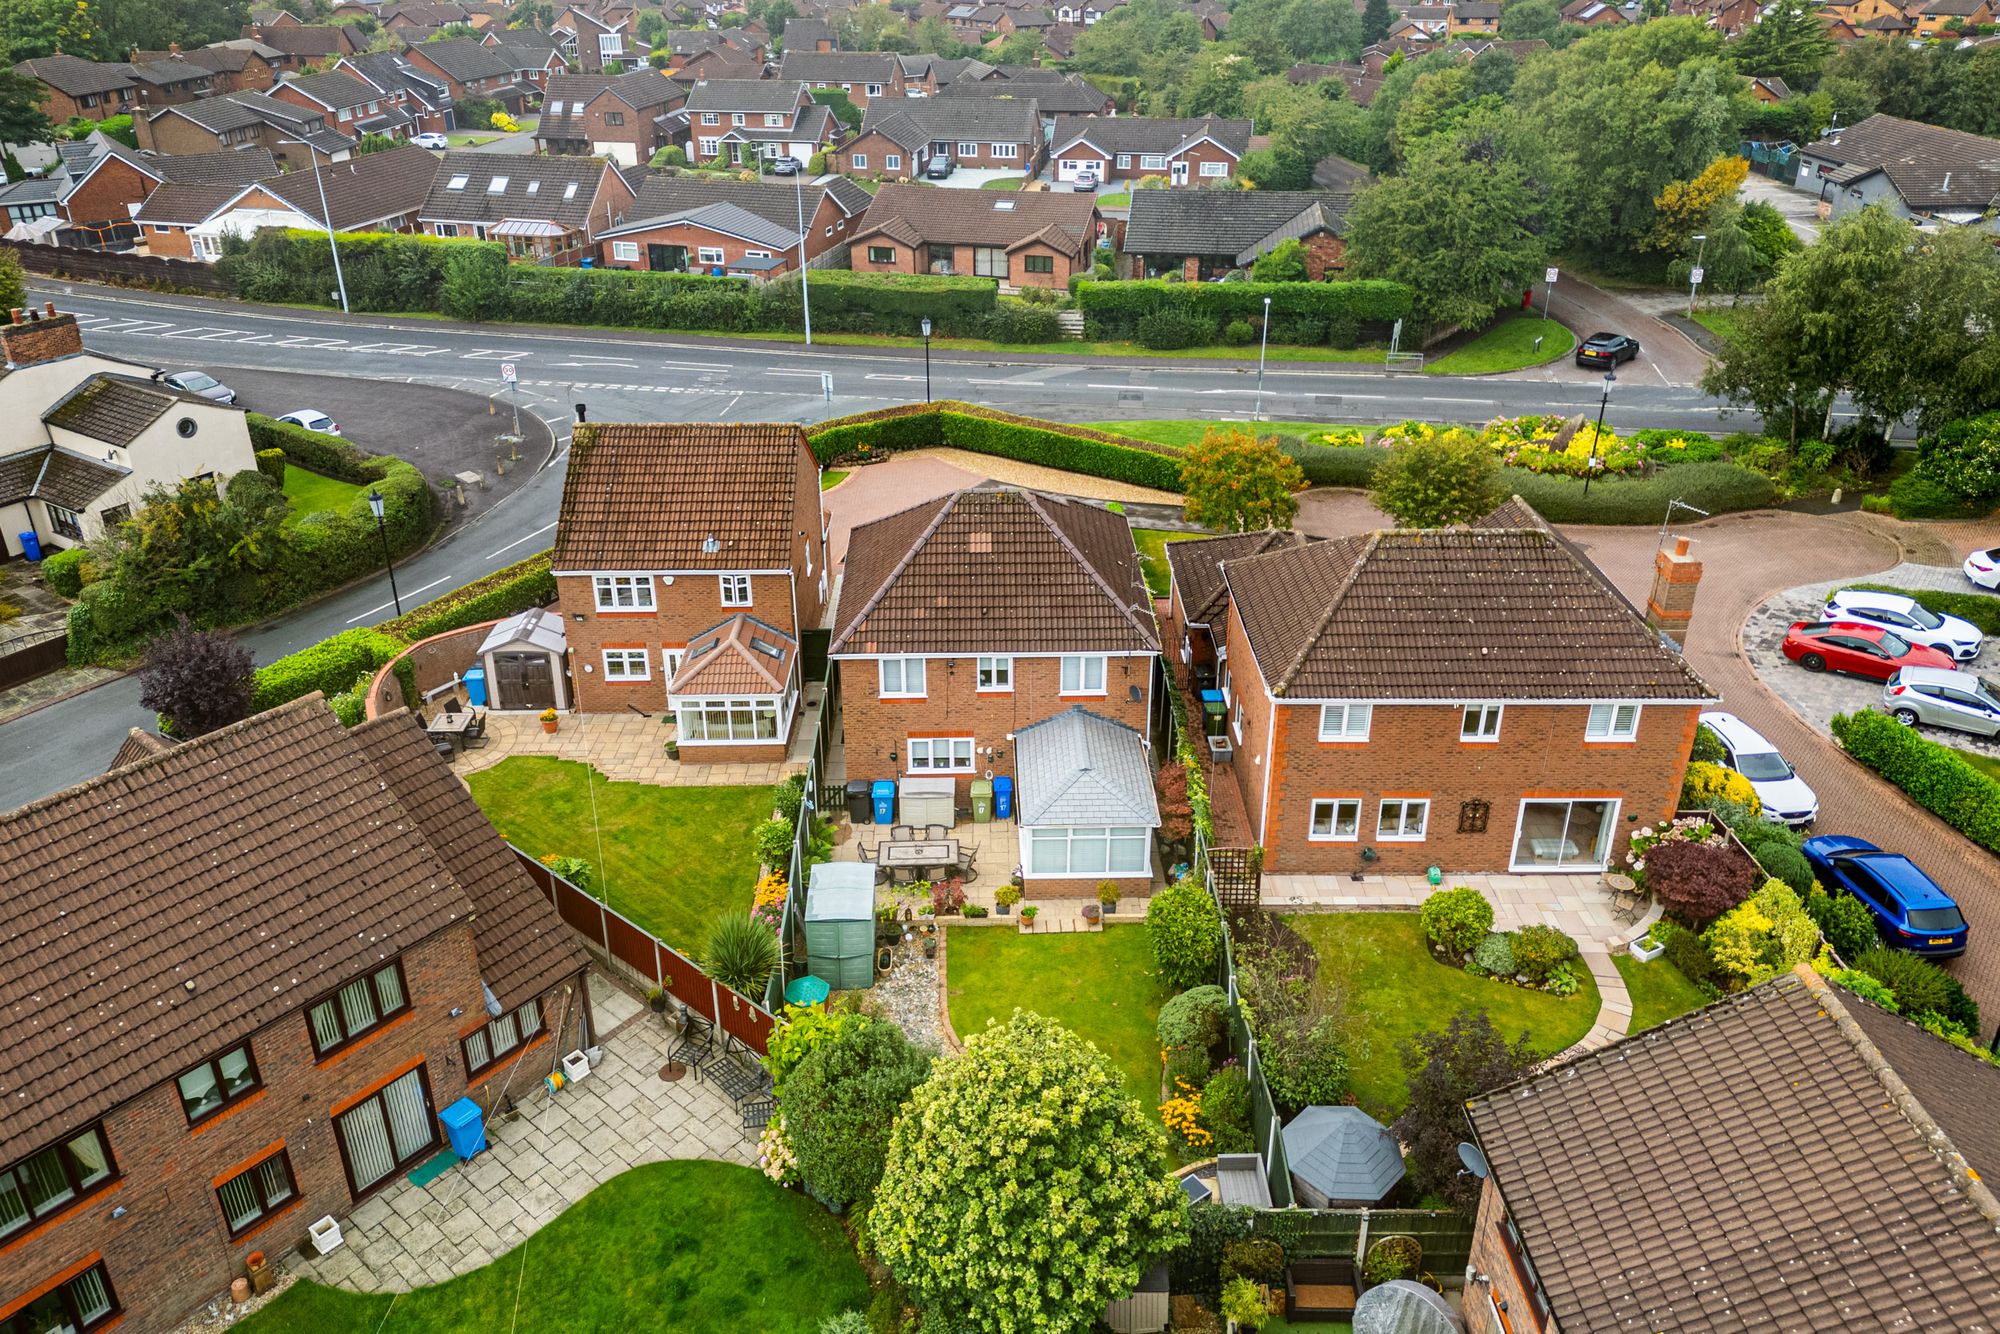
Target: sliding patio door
<point>387,1130</point>
<point>1564,835</point>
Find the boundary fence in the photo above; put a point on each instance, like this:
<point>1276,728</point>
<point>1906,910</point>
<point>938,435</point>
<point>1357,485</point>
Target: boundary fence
<point>1445,1234</point>
<point>156,271</point>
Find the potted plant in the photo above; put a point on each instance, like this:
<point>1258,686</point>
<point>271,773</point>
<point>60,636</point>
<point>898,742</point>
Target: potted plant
<point>674,749</point>
<point>1107,895</point>
<point>883,960</point>
<point>549,723</point>
<point>657,999</point>
<point>1028,917</point>
<point>1392,1258</point>
<point>1005,897</point>
<point>1092,913</point>
<point>1645,949</point>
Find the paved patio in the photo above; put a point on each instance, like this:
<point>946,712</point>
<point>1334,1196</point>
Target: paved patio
<point>552,1155</point>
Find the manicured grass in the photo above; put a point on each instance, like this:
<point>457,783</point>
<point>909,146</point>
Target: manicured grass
<point>1004,183</point>
<point>1183,433</point>
<point>310,492</point>
<point>1507,346</point>
<point>1722,321</point>
<point>1659,991</point>
<point>1120,200</point>
<point>1986,764</point>
<point>679,1246</point>
<point>1152,544</point>
<point>1394,990</point>
<point>1278,1323</point>
<point>674,858</point>
<point>1098,984</point>
<point>832,477</point>
<point>469,140</point>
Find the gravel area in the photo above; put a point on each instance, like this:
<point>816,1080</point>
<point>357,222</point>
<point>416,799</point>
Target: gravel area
<point>220,1312</point>
<point>908,994</point>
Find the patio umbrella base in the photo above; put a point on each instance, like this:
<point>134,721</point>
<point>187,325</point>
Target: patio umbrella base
<point>673,1070</point>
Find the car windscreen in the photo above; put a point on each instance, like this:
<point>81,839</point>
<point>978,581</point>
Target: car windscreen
<point>1925,617</point>
<point>1990,690</point>
<point>1935,919</point>
<point>196,380</point>
<point>1769,767</point>
<point>1893,646</point>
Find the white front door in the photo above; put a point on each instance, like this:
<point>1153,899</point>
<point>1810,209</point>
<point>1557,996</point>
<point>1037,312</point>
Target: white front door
<point>1178,171</point>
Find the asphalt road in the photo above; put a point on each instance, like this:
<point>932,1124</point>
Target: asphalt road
<point>639,377</point>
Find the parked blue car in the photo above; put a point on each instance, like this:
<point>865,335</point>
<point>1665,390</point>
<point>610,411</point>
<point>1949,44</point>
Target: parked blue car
<point>1910,911</point>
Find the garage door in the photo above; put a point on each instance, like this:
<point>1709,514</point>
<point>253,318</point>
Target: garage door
<point>1069,168</point>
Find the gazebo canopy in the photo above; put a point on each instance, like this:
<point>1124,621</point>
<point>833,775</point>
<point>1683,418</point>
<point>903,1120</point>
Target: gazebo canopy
<point>1343,1153</point>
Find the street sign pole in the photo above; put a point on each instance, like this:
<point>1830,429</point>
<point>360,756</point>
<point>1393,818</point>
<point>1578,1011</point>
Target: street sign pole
<point>1548,293</point>
<point>513,392</point>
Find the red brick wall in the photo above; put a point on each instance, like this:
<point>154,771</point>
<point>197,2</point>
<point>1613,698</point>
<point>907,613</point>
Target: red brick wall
<point>1204,151</point>
<point>875,147</point>
<point>1490,1257</point>
<point>688,606</point>
<point>171,1250</point>
<point>872,726</point>
<point>906,260</point>
<point>638,128</point>
<point>106,195</point>
<point>1325,253</point>
<point>1017,268</point>
<point>26,342</point>
<point>1246,699</point>
<point>694,238</point>
<point>61,107</point>
<point>173,241</point>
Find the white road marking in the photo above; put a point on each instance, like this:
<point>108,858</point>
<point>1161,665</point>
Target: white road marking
<point>387,606</point>
<point>519,540</point>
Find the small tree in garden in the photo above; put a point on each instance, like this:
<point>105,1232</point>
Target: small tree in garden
<point>1185,928</point>
<point>742,954</point>
<point>198,680</point>
<point>1445,479</point>
<point>1283,263</point>
<point>841,1101</point>
<point>1176,812</point>
<point>1237,482</point>
<point>1698,882</point>
<point>1456,920</point>
<point>1448,1068</point>
<point>1762,936</point>
<point>1024,1189</point>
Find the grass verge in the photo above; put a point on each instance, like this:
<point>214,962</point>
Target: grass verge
<point>1004,183</point>
<point>1507,346</point>
<point>1723,322</point>
<point>673,858</point>
<point>310,493</point>
<point>1152,544</point>
<point>680,1246</point>
<point>1659,991</point>
<point>1394,990</point>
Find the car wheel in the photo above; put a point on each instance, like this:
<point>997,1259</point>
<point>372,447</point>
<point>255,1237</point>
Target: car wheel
<point>1812,662</point>
<point>1907,717</point>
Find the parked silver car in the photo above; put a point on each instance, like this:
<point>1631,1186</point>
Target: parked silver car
<point>1942,698</point>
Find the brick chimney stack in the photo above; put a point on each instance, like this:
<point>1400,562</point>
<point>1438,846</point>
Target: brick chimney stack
<point>1670,606</point>
<point>31,337</point>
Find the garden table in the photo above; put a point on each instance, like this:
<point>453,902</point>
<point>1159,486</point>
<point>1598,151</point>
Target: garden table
<point>924,852</point>
<point>451,727</point>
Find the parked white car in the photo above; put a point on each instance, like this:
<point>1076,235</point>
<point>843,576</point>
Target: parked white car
<point>1940,698</point>
<point>1908,619</point>
<point>313,420</point>
<point>430,139</point>
<point>1983,568</point>
<point>1786,796</point>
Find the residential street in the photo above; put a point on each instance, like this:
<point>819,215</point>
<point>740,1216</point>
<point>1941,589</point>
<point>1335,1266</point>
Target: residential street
<point>1666,356</point>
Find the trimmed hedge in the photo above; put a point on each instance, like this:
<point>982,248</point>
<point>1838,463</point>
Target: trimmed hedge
<point>1300,312</point>
<point>330,666</point>
<point>958,425</point>
<point>519,586</point>
<point>1935,777</point>
<point>271,462</point>
<point>328,455</point>
<point>1982,609</point>
<point>1716,487</point>
<point>1334,465</point>
<point>63,571</point>
<point>892,303</point>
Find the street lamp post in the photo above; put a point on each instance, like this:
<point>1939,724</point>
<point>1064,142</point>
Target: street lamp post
<point>326,219</point>
<point>927,358</point>
<point>376,507</point>
<point>805,293</point>
<point>1591,460</point>
<point>1263,345</point>
<point>1694,275</point>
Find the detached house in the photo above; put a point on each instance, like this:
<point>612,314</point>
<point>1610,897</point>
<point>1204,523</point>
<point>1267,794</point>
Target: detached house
<point>423,95</point>
<point>689,562</point>
<point>1206,235</point>
<point>296,137</point>
<point>349,103</point>
<point>376,192</point>
<point>1044,675</point>
<point>74,88</point>
<point>985,134</point>
<point>1533,717</point>
<point>1022,238</point>
<point>119,179</point>
<point>740,120</point>
<point>1917,171</point>
<point>1117,148</point>
<point>862,75</point>
<point>622,117</point>
<point>468,69</point>
<point>205,1098</point>
<point>545,209</point>
<point>683,222</point>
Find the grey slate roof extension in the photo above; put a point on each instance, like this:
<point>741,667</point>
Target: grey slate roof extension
<point>1204,222</point>
<point>1081,768</point>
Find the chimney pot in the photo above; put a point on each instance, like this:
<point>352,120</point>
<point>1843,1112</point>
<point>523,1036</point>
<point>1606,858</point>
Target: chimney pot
<point>1680,546</point>
<point>14,315</point>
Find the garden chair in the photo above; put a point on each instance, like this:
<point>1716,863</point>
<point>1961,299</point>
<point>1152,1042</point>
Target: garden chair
<point>934,832</point>
<point>446,749</point>
<point>757,1112</point>
<point>968,864</point>
<point>903,833</point>
<point>475,735</point>
<point>697,1042</point>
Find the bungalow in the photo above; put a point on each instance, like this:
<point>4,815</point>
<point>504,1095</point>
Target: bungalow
<point>1118,148</point>
<point>1203,236</point>
<point>1046,677</point>
<point>547,210</point>
<point>862,75</point>
<point>1917,171</point>
<point>690,560</point>
<point>683,222</point>
<point>376,192</point>
<point>901,139</point>
<point>1068,95</point>
<point>740,120</point>
<point>1022,238</point>
<point>602,115</point>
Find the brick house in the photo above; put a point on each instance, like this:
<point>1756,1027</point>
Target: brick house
<point>1475,16</point>
<point>240,120</point>
<point>596,38</point>
<point>1120,148</point>
<point>986,134</point>
<point>1479,699</point>
<point>863,75</point>
<point>239,65</point>
<point>1023,238</point>
<point>376,192</point>
<point>305,44</point>
<point>545,209</point>
<point>1738,1210</point>
<point>1198,599</point>
<point>681,543</point>
<point>74,88</point>
<point>424,96</point>
<point>1931,17</point>
<point>622,117</point>
<point>1053,98</point>
<point>1205,235</point>
<point>736,120</point>
<point>349,103</point>
<point>680,223</point>
<point>949,667</point>
<point>468,69</point>
<point>214,1099</point>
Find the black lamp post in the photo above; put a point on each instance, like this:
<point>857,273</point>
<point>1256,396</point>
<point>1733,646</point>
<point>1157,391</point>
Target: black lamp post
<point>1590,461</point>
<point>927,359</point>
<point>375,506</point>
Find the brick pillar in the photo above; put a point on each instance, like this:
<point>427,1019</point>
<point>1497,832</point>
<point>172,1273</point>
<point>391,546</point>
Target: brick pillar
<point>1670,606</point>
<point>1191,269</point>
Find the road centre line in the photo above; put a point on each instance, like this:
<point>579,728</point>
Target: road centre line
<point>386,606</point>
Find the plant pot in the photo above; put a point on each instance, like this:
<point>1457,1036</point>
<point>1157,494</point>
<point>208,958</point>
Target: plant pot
<point>883,960</point>
<point>1645,949</point>
<point>659,1004</point>
<point>1110,907</point>
<point>1003,909</point>
<point>551,725</point>
<point>930,947</point>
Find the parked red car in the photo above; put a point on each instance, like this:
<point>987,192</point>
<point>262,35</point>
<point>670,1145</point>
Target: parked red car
<point>1862,650</point>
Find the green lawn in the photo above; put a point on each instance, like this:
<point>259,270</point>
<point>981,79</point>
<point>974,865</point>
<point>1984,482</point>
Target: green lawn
<point>1123,199</point>
<point>1507,346</point>
<point>674,858</point>
<point>309,493</point>
<point>1279,1323</point>
<point>1659,991</point>
<point>1183,433</point>
<point>470,140</point>
<point>832,477</point>
<point>1100,984</point>
<point>1395,990</point>
<point>1722,321</point>
<point>1986,764</point>
<point>1152,543</point>
<point>680,1246</point>
<point>1004,183</point>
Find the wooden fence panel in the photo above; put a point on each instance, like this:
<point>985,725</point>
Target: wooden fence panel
<point>633,948</point>
<point>583,914</point>
<point>746,1022</point>
<point>141,270</point>
<point>36,659</point>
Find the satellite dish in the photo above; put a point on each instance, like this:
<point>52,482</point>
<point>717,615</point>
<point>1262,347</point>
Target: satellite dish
<point>1474,1160</point>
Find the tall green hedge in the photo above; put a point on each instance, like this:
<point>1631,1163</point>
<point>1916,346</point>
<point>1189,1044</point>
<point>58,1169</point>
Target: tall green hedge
<point>965,426</point>
<point>1718,488</point>
<point>330,666</point>
<point>1936,777</point>
<point>327,455</point>
<point>1114,309</point>
<point>519,586</point>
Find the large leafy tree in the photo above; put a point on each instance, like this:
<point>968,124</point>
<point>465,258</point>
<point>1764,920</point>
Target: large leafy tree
<point>841,1101</point>
<point>198,680</point>
<point>1376,20</point>
<point>1447,1069</point>
<point>1528,20</point>
<point>22,120</point>
<point>1788,41</point>
<point>1237,482</point>
<point>1686,208</point>
<point>1024,1187</point>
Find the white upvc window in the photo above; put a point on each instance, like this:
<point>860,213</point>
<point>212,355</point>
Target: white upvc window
<point>1124,161</point>
<point>874,90</point>
<point>708,147</point>
<point>735,587</point>
<point>711,118</point>
<point>610,45</point>
<point>857,161</point>
<point>1335,820</point>
<point>735,118</point>
<point>1480,722</point>
<point>709,254</point>
<point>1215,168</point>
<point>624,250</point>
<point>1088,851</point>
<point>1345,722</point>
<point>627,664</point>
<point>940,755</point>
<point>892,162</point>
<point>774,118</point>
<point>1612,722</point>
<point>1004,152</point>
<point>901,678</point>
<point>671,660</point>
<point>996,675</point>
<point>1402,819</point>
<point>966,150</point>
<point>623,592</point>
<point>1083,674</point>
<point>1152,162</point>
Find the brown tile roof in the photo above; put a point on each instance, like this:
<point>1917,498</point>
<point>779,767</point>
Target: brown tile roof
<point>73,482</point>
<point>524,948</point>
<point>1197,567</point>
<point>1483,612</point>
<point>1756,1165</point>
<point>981,217</point>
<point>995,571</point>
<point>263,863</point>
<point>19,472</point>
<point>139,744</point>
<point>114,408</point>
<point>645,496</point>
<point>742,656</point>
<point>364,189</point>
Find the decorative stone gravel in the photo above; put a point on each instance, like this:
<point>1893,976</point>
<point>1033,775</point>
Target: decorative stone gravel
<point>908,993</point>
<point>221,1313</point>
